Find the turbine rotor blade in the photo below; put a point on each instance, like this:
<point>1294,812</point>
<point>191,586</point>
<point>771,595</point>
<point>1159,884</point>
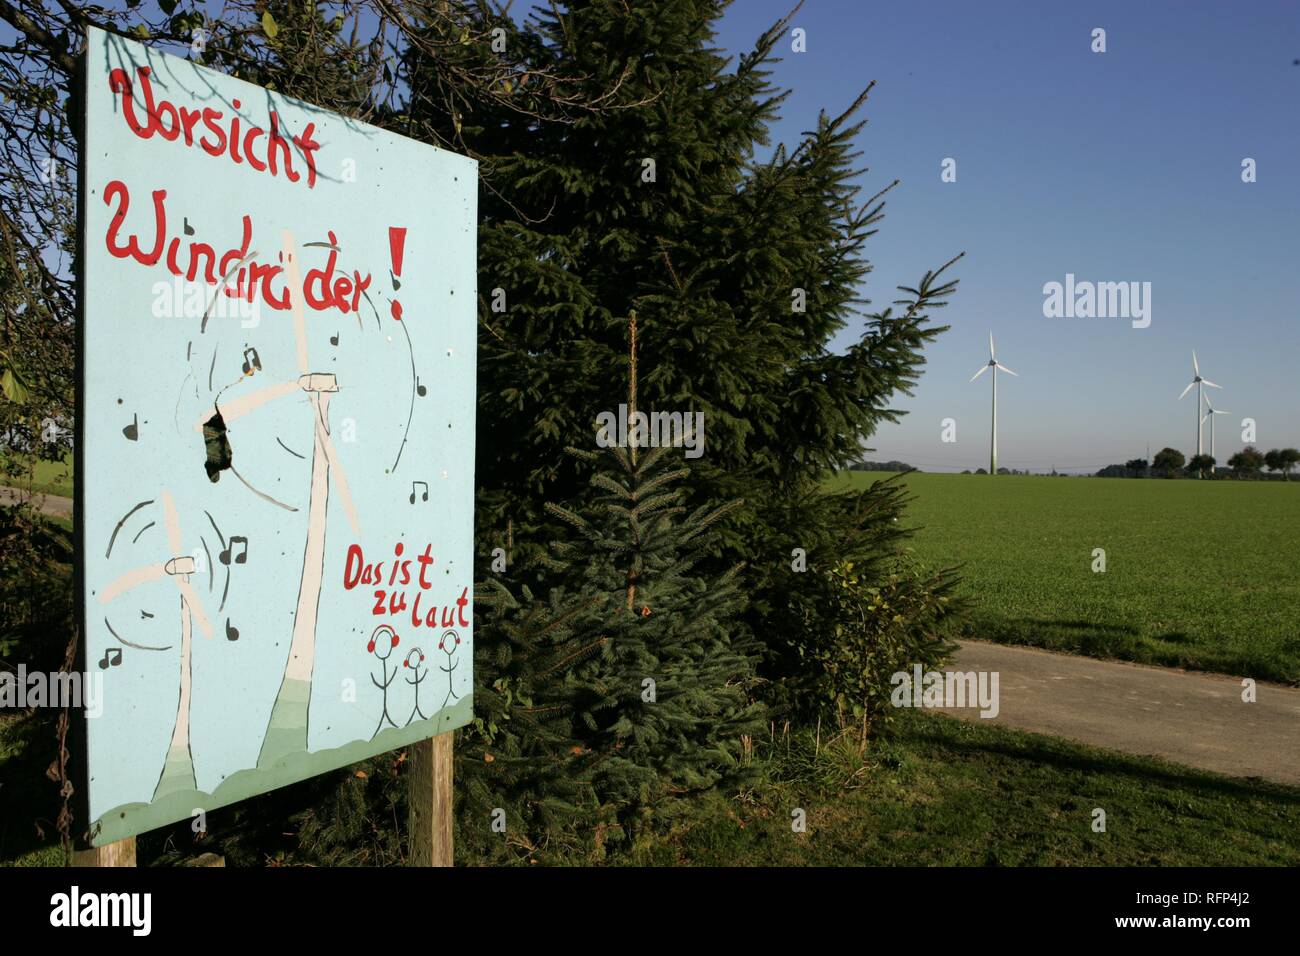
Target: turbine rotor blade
<point>1186,390</point>
<point>173,524</point>
<point>1007,370</point>
<point>132,579</point>
<point>194,604</point>
<point>293,281</point>
<point>1211,384</point>
<point>990,345</point>
<point>338,476</point>
<point>1196,368</point>
<point>983,369</point>
<point>238,407</point>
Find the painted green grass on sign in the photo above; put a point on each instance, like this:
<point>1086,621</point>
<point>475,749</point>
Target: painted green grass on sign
<point>1199,574</point>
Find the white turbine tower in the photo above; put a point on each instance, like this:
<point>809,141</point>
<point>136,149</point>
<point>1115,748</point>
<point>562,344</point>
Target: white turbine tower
<point>1210,412</point>
<point>1200,391</point>
<point>178,768</point>
<point>993,440</point>
<point>287,731</point>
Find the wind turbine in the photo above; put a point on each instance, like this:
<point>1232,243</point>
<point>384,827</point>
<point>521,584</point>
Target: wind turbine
<point>1210,412</point>
<point>993,441</point>
<point>178,769</point>
<point>286,731</point>
<point>1198,382</point>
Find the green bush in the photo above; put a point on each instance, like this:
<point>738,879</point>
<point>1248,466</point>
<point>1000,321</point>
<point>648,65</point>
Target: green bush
<point>881,624</point>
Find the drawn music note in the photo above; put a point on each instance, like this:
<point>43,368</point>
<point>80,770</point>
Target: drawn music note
<point>252,361</point>
<point>425,497</point>
<point>232,632</point>
<point>334,339</point>
<point>242,557</point>
<point>420,389</point>
<point>105,663</point>
<point>132,431</point>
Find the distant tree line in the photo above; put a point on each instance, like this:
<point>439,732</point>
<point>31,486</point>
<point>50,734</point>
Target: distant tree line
<point>882,466</point>
<point>1170,463</point>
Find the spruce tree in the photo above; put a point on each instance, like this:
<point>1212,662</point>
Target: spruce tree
<point>632,685</point>
<point>657,196</point>
<point>666,703</point>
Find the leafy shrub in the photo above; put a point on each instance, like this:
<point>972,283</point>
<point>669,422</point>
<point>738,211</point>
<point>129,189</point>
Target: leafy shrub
<point>881,624</point>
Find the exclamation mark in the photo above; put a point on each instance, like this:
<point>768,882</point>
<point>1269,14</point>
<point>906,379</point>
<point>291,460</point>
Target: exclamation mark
<point>396,246</point>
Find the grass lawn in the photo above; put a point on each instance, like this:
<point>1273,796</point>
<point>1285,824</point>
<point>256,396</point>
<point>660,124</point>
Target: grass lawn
<point>1199,574</point>
<point>935,791</point>
<point>939,791</point>
<point>45,477</point>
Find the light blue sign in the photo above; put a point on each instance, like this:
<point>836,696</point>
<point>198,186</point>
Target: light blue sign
<point>278,436</point>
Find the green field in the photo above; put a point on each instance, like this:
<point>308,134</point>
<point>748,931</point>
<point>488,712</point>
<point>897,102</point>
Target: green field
<point>44,477</point>
<point>1199,574</point>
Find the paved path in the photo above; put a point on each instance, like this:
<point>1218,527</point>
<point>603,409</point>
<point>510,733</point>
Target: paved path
<point>1192,718</point>
<point>49,504</point>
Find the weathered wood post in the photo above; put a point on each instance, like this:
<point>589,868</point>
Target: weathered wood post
<point>119,853</point>
<point>430,800</point>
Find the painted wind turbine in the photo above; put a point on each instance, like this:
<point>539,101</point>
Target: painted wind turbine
<point>1198,382</point>
<point>178,769</point>
<point>993,439</point>
<point>286,733</point>
<point>1210,412</point>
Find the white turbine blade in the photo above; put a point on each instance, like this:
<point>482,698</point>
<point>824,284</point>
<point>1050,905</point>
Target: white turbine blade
<point>1211,384</point>
<point>1219,411</point>
<point>983,369</point>
<point>293,282</point>
<point>132,579</point>
<point>238,407</point>
<point>338,476</point>
<point>1206,418</point>
<point>1007,370</point>
<point>173,524</point>
<point>990,345</point>
<point>1189,387</point>
<point>1196,368</point>
<point>194,604</point>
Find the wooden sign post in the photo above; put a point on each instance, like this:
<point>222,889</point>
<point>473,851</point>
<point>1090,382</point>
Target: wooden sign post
<point>430,802</point>
<point>117,853</point>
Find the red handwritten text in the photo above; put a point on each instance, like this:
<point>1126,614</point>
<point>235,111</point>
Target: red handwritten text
<point>322,288</point>
<point>356,571</point>
<point>171,122</point>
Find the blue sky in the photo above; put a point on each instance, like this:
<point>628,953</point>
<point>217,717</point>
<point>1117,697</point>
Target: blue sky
<point>1115,166</point>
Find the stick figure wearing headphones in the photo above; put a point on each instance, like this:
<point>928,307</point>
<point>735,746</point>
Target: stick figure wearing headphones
<point>415,661</point>
<point>448,644</point>
<point>384,639</point>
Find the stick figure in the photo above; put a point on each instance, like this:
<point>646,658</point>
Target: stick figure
<point>376,644</point>
<point>450,641</point>
<point>415,661</point>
